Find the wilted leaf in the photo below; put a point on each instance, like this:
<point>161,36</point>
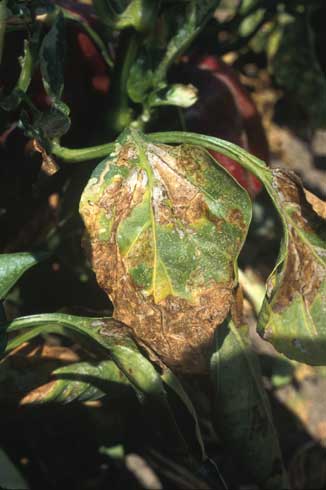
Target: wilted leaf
<point>13,266</point>
<point>52,58</point>
<point>293,317</point>
<point>164,229</point>
<point>242,414</point>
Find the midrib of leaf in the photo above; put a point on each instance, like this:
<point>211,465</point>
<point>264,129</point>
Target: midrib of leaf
<point>144,163</point>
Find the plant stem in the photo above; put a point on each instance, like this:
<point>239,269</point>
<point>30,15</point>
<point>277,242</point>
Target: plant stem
<point>81,154</point>
<point>92,34</point>
<point>120,115</point>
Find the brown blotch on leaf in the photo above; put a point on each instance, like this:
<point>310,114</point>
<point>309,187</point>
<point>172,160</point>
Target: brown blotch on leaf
<point>180,331</point>
<point>304,270</point>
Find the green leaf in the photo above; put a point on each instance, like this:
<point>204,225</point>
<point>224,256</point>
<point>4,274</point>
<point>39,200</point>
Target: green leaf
<point>178,95</point>
<point>140,78</point>
<point>242,414</point>
<point>183,27</point>
<point>180,25</point>
<point>82,382</point>
<point>52,58</point>
<point>13,266</point>
<point>165,227</point>
<point>133,366</point>
<point>293,316</point>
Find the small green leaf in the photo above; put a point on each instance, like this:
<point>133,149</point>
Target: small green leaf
<point>52,58</point>
<point>242,414</point>
<point>178,95</point>
<point>293,316</point>
<point>13,266</point>
<point>140,79</point>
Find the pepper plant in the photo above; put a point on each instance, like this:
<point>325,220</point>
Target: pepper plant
<point>164,218</point>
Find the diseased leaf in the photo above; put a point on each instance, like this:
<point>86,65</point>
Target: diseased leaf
<point>293,313</point>
<point>52,58</point>
<point>165,226</point>
<point>293,316</point>
<point>242,414</point>
<point>13,266</point>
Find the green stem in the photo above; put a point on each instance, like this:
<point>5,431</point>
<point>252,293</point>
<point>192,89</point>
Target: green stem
<point>120,115</point>
<point>13,100</point>
<point>92,34</point>
<point>81,154</point>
